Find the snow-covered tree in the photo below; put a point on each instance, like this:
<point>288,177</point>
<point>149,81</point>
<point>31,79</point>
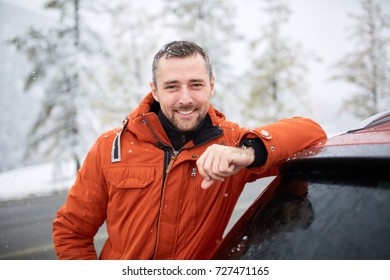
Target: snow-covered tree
<point>64,58</point>
<point>276,76</point>
<point>17,108</point>
<point>367,67</point>
<point>211,25</point>
<point>131,44</point>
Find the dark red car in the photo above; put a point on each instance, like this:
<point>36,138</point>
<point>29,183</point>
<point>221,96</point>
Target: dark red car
<point>331,201</point>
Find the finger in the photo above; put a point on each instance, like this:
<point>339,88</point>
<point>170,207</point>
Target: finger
<point>209,165</point>
<point>214,171</point>
<point>215,166</point>
<point>225,168</point>
<point>200,163</point>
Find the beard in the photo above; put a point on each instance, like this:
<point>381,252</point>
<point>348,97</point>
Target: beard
<point>179,120</point>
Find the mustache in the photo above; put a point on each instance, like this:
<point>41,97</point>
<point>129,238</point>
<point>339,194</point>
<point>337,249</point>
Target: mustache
<point>185,108</point>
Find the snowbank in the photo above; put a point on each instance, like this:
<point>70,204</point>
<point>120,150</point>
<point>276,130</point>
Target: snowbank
<point>37,180</point>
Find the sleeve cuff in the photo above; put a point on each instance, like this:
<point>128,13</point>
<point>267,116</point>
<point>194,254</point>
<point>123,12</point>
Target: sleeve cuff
<point>258,146</point>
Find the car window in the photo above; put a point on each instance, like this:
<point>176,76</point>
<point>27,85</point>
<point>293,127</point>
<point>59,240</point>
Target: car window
<point>323,220</point>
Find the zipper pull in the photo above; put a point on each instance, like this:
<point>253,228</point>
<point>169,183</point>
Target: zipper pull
<point>193,173</point>
<point>172,161</point>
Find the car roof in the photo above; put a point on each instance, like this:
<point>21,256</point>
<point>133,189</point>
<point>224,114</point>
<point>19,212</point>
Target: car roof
<point>370,141</point>
<point>357,153</point>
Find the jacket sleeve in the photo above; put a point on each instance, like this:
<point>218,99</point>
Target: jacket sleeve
<point>283,139</point>
<point>79,219</point>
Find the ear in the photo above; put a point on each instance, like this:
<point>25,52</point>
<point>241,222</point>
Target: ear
<point>212,82</point>
<point>154,91</point>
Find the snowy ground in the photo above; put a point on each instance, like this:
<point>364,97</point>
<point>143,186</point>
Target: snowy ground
<point>36,180</point>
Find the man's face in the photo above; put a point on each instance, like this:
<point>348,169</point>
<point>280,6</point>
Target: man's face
<point>183,90</point>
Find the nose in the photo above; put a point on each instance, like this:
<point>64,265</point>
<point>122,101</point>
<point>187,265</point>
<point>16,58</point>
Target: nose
<point>185,97</point>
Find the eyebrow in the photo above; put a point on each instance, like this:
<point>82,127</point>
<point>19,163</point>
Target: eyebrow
<point>197,80</point>
<point>176,81</point>
<point>170,82</point>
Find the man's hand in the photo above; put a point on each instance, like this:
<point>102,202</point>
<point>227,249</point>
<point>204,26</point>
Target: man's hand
<point>219,162</point>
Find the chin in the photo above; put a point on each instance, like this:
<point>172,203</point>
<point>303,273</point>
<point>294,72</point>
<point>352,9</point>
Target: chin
<point>186,129</point>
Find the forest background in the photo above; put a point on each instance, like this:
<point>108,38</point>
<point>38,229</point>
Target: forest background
<point>71,69</point>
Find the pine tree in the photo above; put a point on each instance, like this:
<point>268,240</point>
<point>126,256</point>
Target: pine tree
<point>211,25</point>
<point>62,60</point>
<point>276,78</point>
<point>128,75</point>
<point>367,67</point>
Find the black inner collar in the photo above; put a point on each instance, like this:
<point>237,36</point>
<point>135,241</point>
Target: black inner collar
<point>178,138</point>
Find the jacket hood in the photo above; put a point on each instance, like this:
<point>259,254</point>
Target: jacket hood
<point>145,124</point>
<point>149,103</point>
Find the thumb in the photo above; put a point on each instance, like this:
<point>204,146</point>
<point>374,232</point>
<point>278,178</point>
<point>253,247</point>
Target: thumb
<point>207,183</point>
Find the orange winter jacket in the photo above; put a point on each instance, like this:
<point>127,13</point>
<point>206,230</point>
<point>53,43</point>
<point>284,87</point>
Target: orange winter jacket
<point>150,196</point>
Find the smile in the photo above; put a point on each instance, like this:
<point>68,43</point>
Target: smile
<point>186,112</point>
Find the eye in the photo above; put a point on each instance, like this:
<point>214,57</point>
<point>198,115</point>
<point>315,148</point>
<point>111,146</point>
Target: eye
<point>197,85</point>
<point>170,87</point>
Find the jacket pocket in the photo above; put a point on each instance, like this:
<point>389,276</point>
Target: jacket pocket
<point>132,207</point>
<point>131,177</point>
<point>134,183</point>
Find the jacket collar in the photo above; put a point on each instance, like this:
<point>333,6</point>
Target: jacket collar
<point>177,138</point>
<point>149,127</point>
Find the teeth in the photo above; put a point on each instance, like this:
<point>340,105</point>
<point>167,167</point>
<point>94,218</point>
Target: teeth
<point>186,112</point>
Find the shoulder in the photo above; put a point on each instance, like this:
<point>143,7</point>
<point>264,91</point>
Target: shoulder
<point>105,141</point>
<point>218,118</point>
<point>109,135</point>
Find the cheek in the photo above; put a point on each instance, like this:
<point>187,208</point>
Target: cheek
<point>166,103</point>
<point>204,100</point>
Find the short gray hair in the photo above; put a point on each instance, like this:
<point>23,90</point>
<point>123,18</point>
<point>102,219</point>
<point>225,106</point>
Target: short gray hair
<point>180,49</point>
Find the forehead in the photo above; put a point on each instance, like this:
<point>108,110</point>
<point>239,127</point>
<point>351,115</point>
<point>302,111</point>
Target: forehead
<point>189,66</point>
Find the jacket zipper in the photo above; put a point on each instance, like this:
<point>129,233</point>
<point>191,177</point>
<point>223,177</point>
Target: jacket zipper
<point>172,161</point>
<point>170,155</point>
<point>168,150</point>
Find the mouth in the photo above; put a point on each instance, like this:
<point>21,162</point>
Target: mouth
<point>185,112</point>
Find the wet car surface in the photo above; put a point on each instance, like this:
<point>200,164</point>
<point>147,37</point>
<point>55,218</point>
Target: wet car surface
<point>331,201</point>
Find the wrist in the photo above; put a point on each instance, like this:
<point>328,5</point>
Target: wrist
<point>250,153</point>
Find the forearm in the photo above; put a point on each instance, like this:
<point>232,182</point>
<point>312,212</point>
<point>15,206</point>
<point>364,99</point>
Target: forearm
<point>78,221</point>
<point>84,211</point>
<point>283,139</point>
<point>71,244</point>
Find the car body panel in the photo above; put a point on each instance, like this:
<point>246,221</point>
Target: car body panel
<point>332,202</point>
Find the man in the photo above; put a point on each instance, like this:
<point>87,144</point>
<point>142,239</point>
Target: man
<point>167,182</point>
